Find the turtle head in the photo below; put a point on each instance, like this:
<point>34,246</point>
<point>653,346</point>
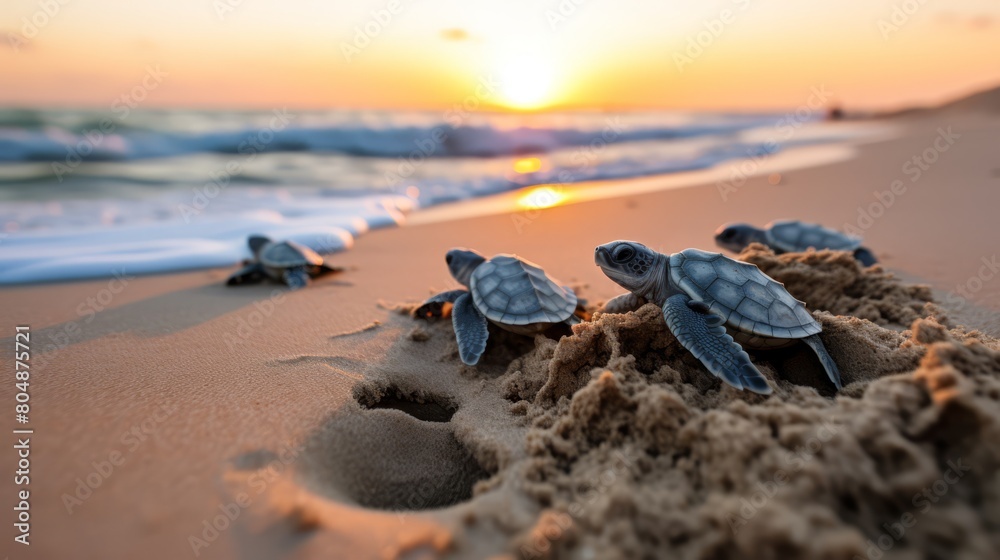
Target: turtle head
<point>257,242</point>
<point>736,237</point>
<point>461,263</point>
<point>632,266</point>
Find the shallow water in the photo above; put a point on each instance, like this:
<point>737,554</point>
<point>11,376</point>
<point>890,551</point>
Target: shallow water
<point>89,194</point>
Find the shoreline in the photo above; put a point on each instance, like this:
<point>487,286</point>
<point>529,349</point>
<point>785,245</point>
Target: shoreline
<point>216,240</point>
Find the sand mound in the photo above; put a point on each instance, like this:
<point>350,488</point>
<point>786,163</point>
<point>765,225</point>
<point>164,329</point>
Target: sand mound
<point>635,451</point>
<point>622,445</point>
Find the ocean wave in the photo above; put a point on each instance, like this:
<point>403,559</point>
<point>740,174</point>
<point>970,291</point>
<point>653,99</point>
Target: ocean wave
<point>107,140</point>
<point>166,193</point>
<point>199,238</point>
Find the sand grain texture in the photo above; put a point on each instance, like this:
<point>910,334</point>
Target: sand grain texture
<point>645,461</point>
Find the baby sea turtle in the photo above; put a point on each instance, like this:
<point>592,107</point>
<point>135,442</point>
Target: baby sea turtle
<point>284,261</point>
<point>791,236</point>
<point>713,305</point>
<point>512,293</point>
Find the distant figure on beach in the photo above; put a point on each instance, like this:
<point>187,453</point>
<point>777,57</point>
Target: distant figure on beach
<point>791,236</point>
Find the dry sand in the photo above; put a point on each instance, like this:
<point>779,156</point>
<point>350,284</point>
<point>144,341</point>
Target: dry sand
<point>292,420</point>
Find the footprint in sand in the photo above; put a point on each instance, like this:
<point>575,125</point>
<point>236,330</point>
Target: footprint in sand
<point>395,451</point>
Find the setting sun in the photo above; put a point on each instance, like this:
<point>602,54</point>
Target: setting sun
<point>526,79</point>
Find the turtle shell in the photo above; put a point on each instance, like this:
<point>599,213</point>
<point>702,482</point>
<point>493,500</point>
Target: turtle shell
<point>512,291</point>
<point>749,300</point>
<point>286,254</point>
<point>793,236</point>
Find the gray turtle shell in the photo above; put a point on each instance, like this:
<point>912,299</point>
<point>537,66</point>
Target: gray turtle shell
<point>286,254</point>
<point>792,236</point>
<point>512,291</point>
<point>749,300</point>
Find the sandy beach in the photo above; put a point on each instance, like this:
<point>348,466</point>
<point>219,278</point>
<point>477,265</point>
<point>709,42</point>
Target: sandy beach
<point>174,417</point>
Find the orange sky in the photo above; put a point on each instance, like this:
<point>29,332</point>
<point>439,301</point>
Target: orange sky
<point>537,54</point>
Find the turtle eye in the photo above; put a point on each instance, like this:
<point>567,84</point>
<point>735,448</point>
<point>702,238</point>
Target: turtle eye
<point>624,254</point>
<point>729,234</point>
<point>447,259</point>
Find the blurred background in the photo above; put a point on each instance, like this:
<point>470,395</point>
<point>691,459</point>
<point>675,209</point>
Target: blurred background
<point>155,136</point>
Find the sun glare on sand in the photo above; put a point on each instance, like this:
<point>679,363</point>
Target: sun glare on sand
<point>543,196</point>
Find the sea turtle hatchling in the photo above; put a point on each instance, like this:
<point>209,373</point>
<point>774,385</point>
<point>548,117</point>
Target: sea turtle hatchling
<point>713,305</point>
<point>283,261</point>
<point>510,292</point>
<point>791,236</point>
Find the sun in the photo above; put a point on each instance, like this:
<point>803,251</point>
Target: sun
<point>527,79</point>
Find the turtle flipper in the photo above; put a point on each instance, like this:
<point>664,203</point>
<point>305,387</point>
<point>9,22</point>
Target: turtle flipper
<point>250,274</point>
<point>702,333</point>
<point>296,277</point>
<point>471,331</point>
<point>623,303</point>
<point>829,365</point>
<point>865,256</point>
<point>437,306</point>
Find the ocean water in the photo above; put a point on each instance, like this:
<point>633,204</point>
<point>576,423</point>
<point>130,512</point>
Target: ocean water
<point>90,194</point>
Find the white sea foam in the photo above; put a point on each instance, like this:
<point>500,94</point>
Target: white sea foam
<point>212,239</point>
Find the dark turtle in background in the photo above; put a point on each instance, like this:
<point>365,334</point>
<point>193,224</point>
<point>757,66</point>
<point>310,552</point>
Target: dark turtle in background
<point>282,261</point>
<point>791,236</point>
